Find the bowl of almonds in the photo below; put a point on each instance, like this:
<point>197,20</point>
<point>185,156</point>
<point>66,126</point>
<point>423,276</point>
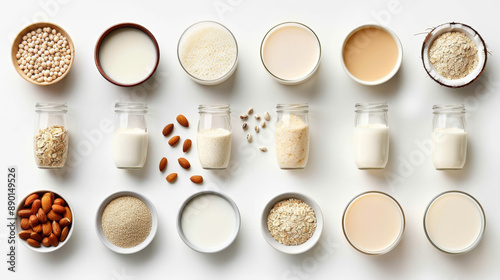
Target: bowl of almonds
<point>44,221</point>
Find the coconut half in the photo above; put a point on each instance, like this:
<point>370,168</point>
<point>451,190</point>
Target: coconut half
<point>469,32</point>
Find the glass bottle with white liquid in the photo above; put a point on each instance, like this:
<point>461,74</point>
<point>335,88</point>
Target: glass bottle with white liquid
<point>449,137</point>
<point>214,136</point>
<point>130,139</point>
<point>371,135</point>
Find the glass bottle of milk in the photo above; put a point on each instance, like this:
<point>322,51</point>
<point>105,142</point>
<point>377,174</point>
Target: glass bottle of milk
<point>292,135</point>
<point>371,135</point>
<point>449,137</point>
<point>130,139</point>
<point>214,136</point>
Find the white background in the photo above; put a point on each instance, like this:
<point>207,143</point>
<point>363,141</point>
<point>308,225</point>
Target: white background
<point>331,177</point>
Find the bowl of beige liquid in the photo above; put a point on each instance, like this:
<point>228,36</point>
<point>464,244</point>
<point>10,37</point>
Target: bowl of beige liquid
<point>371,54</point>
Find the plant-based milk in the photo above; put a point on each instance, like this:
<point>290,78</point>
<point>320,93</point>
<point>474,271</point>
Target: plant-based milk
<point>450,148</point>
<point>130,147</point>
<point>371,146</point>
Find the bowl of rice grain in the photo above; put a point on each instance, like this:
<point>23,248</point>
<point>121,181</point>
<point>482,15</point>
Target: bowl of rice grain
<point>126,222</point>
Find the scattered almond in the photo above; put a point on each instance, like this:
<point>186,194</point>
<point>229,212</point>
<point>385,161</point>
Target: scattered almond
<point>197,179</point>
<point>30,199</point>
<point>174,140</point>
<point>168,129</point>
<point>263,124</point>
<point>171,177</point>
<point>184,163</point>
<point>249,138</point>
<point>263,149</point>
<point>187,145</point>
<point>250,111</point>
<point>182,120</point>
<point>163,163</point>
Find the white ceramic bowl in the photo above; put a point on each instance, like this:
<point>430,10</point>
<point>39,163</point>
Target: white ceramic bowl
<point>222,246</point>
<point>298,249</point>
<point>42,248</point>
<point>393,71</point>
<point>111,246</point>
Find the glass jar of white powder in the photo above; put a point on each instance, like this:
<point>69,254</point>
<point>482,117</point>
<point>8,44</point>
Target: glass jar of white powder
<point>214,136</point>
<point>292,135</point>
<point>371,135</point>
<point>130,139</point>
<point>449,137</point>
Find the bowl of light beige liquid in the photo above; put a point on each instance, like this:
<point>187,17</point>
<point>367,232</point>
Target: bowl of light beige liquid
<point>371,54</point>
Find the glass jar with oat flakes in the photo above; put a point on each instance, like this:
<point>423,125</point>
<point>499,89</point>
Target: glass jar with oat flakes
<point>51,135</point>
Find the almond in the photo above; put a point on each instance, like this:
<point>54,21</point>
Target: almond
<point>182,120</point>
<point>184,163</point>
<point>25,223</point>
<point>35,206</point>
<point>174,140</point>
<point>42,217</point>
<point>56,229</point>
<point>33,221</point>
<point>47,228</point>
<point>64,222</point>
<point>58,209</point>
<point>38,228</point>
<point>187,145</point>
<point>33,243</point>
<point>45,242</point>
<point>60,201</point>
<point>197,179</point>
<point>171,177</point>
<point>36,236</point>
<point>53,216</point>
<point>163,163</point>
<point>168,129</point>
<point>30,199</point>
<point>24,213</point>
<point>64,234</point>
<point>68,214</point>
<point>46,202</point>
<point>53,240</point>
<point>25,234</point>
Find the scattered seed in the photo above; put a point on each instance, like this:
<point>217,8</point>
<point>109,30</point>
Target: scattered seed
<point>249,138</point>
<point>250,111</point>
<point>244,126</point>
<point>263,149</point>
<point>263,124</point>
<point>257,117</point>
<point>243,116</point>
<point>267,117</point>
<point>257,129</point>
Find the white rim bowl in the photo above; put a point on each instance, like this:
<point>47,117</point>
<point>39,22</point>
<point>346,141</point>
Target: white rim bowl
<point>111,246</point>
<point>297,249</point>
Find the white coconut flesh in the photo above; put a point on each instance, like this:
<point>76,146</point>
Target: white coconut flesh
<point>469,32</point>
